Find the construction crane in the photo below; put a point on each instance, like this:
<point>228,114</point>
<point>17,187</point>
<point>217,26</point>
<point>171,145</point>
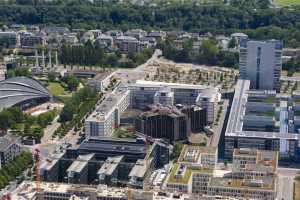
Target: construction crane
<point>6,197</point>
<point>37,169</point>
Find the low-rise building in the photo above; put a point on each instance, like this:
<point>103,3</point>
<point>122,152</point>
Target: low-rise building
<point>101,81</point>
<point>192,172</point>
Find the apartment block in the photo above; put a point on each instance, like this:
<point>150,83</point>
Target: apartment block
<point>106,117</point>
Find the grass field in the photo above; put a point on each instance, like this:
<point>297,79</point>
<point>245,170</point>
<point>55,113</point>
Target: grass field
<point>286,2</point>
<point>56,89</point>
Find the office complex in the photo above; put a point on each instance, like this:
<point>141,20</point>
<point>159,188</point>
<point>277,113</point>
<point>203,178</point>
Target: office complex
<point>106,116</point>
<point>264,120</point>
<point>115,162</point>
<point>253,174</point>
<point>101,81</point>
<point>144,93</point>
<point>192,172</point>
<point>261,61</point>
<point>171,122</point>
<point>22,91</point>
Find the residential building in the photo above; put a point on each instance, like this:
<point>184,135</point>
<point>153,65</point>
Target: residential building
<point>106,117</point>
<point>11,39</point>
<point>105,41</point>
<point>261,61</point>
<point>253,176</point>
<point>101,81</point>
<point>30,40</point>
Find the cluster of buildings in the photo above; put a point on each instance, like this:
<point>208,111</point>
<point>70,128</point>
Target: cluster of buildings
<point>30,37</point>
<point>260,116</point>
<point>252,174</point>
<point>114,162</point>
<point>185,108</point>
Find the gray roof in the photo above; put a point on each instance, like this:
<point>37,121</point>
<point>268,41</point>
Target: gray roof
<point>18,89</point>
<point>6,141</point>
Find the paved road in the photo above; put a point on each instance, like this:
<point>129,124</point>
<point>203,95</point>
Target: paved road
<point>49,130</point>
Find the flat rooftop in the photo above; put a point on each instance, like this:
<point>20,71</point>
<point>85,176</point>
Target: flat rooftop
<point>110,165</point>
<point>114,145</point>
<point>51,161</point>
<point>106,107</point>
<point>143,83</point>
<point>80,163</point>
<point>139,169</point>
<point>26,191</point>
<point>237,113</point>
<point>266,183</point>
<point>186,175</point>
<point>194,152</point>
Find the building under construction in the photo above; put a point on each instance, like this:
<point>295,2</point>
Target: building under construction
<point>171,122</point>
<point>115,162</point>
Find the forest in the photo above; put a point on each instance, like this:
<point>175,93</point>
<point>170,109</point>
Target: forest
<point>254,17</point>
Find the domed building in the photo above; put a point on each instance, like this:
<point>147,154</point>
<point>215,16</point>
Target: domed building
<point>22,91</point>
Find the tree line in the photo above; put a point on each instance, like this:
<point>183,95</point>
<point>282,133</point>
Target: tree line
<point>23,124</point>
<point>15,168</point>
<point>249,16</point>
<point>91,54</point>
<point>81,103</point>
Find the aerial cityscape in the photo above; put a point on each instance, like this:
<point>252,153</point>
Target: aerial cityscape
<point>149,100</point>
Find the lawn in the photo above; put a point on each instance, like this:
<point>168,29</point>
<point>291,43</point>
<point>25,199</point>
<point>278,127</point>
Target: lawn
<point>286,2</point>
<point>56,89</point>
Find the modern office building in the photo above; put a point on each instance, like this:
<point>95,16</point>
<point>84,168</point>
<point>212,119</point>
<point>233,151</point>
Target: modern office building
<point>106,117</point>
<point>115,162</point>
<point>261,61</point>
<point>79,169</point>
<point>171,122</point>
<point>144,93</point>
<point>9,149</point>
<point>252,175</point>
<point>22,91</point>
<point>193,170</point>
<point>30,40</point>
<point>263,120</point>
